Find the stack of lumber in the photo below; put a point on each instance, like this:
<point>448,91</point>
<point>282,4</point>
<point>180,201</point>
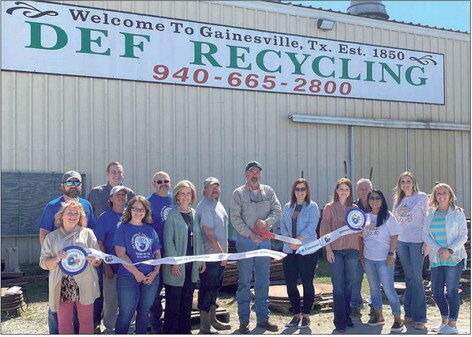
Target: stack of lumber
<point>279,301</point>
<point>230,275</point>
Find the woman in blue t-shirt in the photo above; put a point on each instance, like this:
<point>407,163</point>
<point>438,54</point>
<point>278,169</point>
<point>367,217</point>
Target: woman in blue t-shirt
<point>445,232</point>
<point>136,241</point>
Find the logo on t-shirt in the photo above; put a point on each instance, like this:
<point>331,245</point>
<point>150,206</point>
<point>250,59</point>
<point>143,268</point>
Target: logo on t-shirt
<point>403,214</point>
<point>371,230</point>
<point>140,242</point>
<point>164,212</point>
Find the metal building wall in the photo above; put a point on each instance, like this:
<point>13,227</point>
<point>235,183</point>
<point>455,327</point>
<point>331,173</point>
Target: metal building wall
<point>57,123</point>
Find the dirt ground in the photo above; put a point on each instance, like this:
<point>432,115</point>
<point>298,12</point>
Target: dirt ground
<point>33,319</point>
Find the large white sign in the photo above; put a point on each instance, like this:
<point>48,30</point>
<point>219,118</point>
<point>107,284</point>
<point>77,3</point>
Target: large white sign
<point>82,41</point>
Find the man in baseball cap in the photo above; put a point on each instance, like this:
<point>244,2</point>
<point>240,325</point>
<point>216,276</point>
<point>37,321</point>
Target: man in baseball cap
<point>213,220</point>
<point>107,223</point>
<point>254,207</point>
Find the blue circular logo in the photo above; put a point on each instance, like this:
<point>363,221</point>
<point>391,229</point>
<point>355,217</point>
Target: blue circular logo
<point>75,262</point>
<point>355,218</point>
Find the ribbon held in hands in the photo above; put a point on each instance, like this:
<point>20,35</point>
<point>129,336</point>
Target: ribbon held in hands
<point>355,220</point>
<point>265,233</point>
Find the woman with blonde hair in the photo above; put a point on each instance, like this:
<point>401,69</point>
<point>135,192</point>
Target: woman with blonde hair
<point>445,232</point>
<point>136,241</point>
<point>342,254</point>
<point>69,292</point>
<point>410,207</point>
<point>182,237</point>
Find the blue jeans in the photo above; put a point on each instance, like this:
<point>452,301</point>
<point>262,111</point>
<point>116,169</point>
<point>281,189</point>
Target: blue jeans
<point>134,296</point>
<point>98,304</point>
<point>378,273</point>
<point>449,276</point>
<point>412,264</point>
<point>156,308</point>
<point>211,281</point>
<point>260,266</point>
<point>53,325</point>
<point>356,297</point>
<point>343,274</point>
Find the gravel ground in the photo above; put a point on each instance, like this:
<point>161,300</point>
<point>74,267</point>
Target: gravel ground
<point>33,320</point>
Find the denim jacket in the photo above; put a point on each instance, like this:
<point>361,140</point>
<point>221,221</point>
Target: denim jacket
<point>456,234</point>
<point>307,222</point>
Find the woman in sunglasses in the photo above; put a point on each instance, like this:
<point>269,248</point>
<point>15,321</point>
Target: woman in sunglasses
<point>445,232</point>
<point>136,241</point>
<point>299,220</point>
<point>410,207</point>
<point>377,253</point>
<point>182,237</point>
<point>342,254</point>
<point>71,292</point>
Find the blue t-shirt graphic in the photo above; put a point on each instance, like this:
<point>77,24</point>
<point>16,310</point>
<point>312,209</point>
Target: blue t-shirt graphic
<point>140,243</point>
<point>160,207</point>
<point>105,232</point>
<point>54,206</point>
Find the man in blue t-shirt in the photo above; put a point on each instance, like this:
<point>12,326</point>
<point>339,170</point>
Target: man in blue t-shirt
<point>161,204</point>
<point>105,231</point>
<point>71,185</point>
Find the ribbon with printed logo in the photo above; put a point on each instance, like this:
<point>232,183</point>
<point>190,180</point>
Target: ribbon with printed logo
<point>112,259</point>
<point>355,219</point>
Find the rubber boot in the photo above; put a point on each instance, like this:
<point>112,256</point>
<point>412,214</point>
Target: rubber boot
<point>215,323</point>
<point>205,327</point>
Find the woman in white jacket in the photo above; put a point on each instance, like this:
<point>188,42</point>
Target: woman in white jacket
<point>445,232</point>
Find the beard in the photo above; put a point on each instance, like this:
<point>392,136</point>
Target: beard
<point>254,180</point>
<point>72,192</point>
<point>164,188</point>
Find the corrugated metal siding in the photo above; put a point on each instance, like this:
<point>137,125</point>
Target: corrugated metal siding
<point>55,123</point>
<point>28,248</point>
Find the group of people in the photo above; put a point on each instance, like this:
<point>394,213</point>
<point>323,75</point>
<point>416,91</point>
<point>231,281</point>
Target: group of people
<point>127,297</point>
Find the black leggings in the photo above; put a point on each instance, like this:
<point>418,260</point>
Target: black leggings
<point>296,265</point>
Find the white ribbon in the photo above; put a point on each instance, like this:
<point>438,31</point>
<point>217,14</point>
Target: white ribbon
<point>112,259</point>
<point>287,239</point>
<point>314,246</point>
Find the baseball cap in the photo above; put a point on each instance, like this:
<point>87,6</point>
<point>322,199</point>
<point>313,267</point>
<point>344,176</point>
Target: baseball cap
<point>118,188</point>
<point>210,181</point>
<point>71,174</point>
<point>252,164</point>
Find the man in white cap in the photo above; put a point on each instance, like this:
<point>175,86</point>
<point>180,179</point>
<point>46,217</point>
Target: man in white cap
<point>71,185</point>
<point>105,231</point>
<point>213,220</point>
<point>254,207</point>
<point>99,199</point>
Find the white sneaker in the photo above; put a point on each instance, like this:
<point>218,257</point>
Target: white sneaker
<point>438,327</point>
<point>448,330</point>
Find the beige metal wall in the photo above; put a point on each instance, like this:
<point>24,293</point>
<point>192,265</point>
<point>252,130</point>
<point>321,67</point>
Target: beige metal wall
<point>57,123</point>
<point>432,156</point>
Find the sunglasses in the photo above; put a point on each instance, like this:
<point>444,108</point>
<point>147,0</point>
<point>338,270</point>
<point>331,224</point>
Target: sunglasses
<point>72,183</point>
<point>375,198</point>
<point>162,181</point>
<point>300,189</point>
